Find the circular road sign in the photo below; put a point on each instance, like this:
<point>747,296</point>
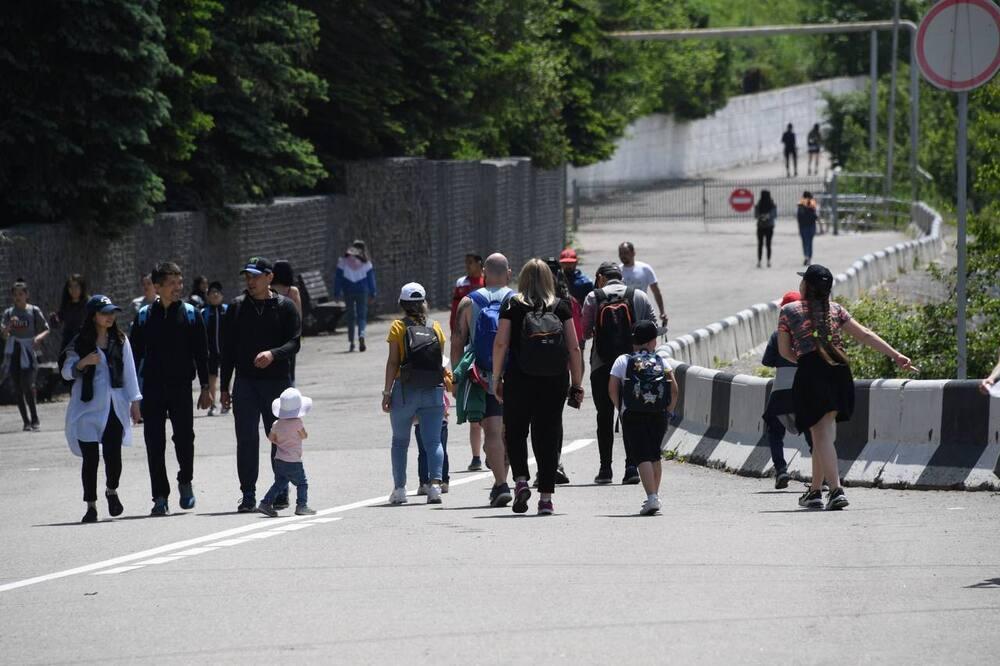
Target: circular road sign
<point>958,44</point>
<point>741,200</point>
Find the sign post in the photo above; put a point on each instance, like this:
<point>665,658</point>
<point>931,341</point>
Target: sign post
<point>958,49</point>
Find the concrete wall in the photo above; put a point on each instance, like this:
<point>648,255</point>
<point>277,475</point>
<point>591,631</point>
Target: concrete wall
<point>746,131</point>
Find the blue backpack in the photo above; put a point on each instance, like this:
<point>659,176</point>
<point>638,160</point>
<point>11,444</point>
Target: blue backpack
<point>486,323</point>
<point>647,384</point>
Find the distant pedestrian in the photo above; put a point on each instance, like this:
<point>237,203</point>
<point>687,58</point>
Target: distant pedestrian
<point>640,276</point>
<point>987,384</point>
<point>24,328</point>
<point>779,414</point>
<point>643,389</point>
<point>545,365</point>
<point>807,215</point>
<point>472,346</point>
<point>472,281</point>
<point>148,294</point>
<point>72,309</point>
<point>104,397</point>
<point>214,315</point>
<point>284,284</point>
<point>814,142</point>
<point>423,477</point>
<point>171,349</point>
<point>766,213</point>
<point>579,284</point>
<point>262,331</point>
<point>287,435</point>
<point>609,313</point>
<point>810,333</point>
<point>354,282</point>
<point>414,387</point>
<point>199,292</point>
<point>791,151</point>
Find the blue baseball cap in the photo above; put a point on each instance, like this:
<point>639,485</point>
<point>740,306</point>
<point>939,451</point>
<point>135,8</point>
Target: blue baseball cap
<point>101,303</point>
<point>257,266</point>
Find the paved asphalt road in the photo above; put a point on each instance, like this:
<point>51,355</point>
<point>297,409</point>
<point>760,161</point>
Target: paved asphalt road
<point>731,572</point>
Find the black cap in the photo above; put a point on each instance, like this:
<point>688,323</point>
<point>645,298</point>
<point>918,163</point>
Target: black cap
<point>818,276</point>
<point>257,266</point>
<point>643,331</point>
<point>101,303</point>
<point>609,269</point>
<point>215,284</point>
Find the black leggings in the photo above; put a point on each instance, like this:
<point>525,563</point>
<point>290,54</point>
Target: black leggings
<point>111,443</point>
<point>23,382</point>
<point>764,236</point>
<point>535,404</point>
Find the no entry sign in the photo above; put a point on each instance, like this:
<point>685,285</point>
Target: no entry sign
<point>958,44</point>
<point>741,200</point>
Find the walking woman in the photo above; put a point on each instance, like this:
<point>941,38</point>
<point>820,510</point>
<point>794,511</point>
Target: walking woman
<point>24,327</point>
<point>72,309</point>
<point>104,397</point>
<point>414,388</point>
<point>355,283</point>
<point>766,213</point>
<point>810,333</point>
<point>537,328</point>
<point>284,284</point>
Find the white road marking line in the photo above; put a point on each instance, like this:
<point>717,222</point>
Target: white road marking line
<point>293,527</point>
<point>198,551</point>
<point>108,572</point>
<point>216,537</point>
<point>318,521</point>
<point>229,542</point>
<point>161,560</point>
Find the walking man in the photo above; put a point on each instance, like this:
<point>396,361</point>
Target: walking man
<point>609,313</point>
<point>262,335</point>
<point>472,348</point>
<point>579,284</point>
<point>791,151</point>
<point>640,276</point>
<point>170,348</point>
<point>463,287</point>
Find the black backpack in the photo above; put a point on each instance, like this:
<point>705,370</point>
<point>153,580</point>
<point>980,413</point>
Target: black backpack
<point>422,367</point>
<point>542,351</point>
<point>647,388</point>
<point>613,324</point>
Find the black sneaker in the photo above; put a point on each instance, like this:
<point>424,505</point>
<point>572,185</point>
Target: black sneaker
<point>115,507</point>
<point>281,502</point>
<point>27,427</point>
<point>35,426</point>
<point>604,476</point>
<point>836,500</point>
<point>500,496</point>
<point>187,495</point>
<point>247,505</point>
<point>561,478</point>
<point>631,477</point>
<point>811,499</point>
<point>361,345</point>
<point>476,465</point>
<point>160,507</point>
<point>90,516</point>
<point>781,480</point>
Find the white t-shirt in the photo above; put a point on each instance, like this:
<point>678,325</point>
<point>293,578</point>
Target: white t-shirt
<point>639,276</point>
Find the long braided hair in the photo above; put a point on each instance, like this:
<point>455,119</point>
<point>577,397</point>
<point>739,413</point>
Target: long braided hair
<point>416,311</point>
<point>821,318</point>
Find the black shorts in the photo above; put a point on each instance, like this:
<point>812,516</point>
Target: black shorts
<point>643,434</point>
<point>493,407</point>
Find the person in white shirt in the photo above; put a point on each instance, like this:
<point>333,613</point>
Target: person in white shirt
<point>641,276</point>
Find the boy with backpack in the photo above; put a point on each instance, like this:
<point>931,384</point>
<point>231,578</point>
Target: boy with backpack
<point>609,313</point>
<point>642,386</point>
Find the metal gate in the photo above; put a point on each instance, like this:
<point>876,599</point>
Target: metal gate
<point>691,200</point>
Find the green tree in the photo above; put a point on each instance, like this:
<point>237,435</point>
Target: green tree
<point>79,100</point>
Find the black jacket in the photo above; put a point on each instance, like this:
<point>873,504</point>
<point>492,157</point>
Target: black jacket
<point>169,348</point>
<point>252,327</point>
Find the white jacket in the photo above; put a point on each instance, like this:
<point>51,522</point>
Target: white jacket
<point>85,421</point>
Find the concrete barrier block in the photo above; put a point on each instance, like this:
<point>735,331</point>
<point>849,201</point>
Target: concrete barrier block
<point>986,474</point>
<point>917,433</point>
<point>743,449</point>
<point>694,411</point>
<point>880,437</point>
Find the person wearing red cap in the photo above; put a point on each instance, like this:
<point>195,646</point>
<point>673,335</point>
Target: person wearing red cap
<point>579,284</point>
<point>472,281</point>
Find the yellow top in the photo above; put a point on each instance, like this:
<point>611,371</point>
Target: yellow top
<point>397,336</point>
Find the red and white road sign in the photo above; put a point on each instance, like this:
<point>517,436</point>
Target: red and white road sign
<point>741,200</point>
<point>958,44</point>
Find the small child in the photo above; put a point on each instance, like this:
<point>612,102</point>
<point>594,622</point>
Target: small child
<point>642,386</point>
<point>287,434</point>
<point>214,314</point>
<point>422,454</point>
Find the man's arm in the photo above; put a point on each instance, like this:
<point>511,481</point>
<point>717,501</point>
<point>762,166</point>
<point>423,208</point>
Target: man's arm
<point>460,336</point>
<point>228,347</point>
<point>655,288</point>
<point>199,348</point>
<point>291,330</point>
<point>589,314</point>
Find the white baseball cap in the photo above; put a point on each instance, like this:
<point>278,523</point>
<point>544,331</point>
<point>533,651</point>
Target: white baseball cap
<point>413,292</point>
<point>291,404</point>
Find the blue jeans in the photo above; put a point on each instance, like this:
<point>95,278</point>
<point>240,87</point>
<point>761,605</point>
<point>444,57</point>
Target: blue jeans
<point>422,455</point>
<point>807,232</point>
<point>427,404</point>
<point>284,473</point>
<point>357,313</point>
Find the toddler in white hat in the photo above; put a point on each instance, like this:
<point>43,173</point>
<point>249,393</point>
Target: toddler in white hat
<point>287,434</point>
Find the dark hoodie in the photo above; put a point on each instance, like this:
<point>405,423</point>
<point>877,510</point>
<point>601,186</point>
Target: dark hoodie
<point>253,327</point>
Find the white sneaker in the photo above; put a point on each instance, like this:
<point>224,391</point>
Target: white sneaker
<point>398,496</point>
<point>422,490</point>
<point>433,493</point>
<point>211,410</point>
<point>650,506</point>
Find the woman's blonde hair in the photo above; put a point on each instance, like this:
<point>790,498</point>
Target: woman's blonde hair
<point>535,285</point>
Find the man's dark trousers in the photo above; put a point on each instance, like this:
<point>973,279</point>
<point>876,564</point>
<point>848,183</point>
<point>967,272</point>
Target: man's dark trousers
<point>252,400</point>
<point>160,402</point>
<point>605,414</point>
